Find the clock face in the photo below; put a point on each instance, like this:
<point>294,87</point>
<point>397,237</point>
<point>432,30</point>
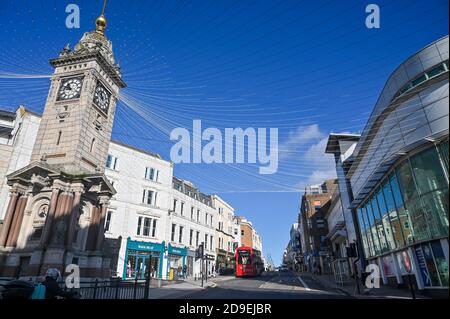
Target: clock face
<point>101,97</point>
<point>70,88</point>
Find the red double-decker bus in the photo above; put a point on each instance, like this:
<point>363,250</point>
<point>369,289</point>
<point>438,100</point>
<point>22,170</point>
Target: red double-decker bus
<point>248,262</point>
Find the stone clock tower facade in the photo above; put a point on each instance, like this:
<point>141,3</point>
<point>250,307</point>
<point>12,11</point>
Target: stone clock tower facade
<point>58,203</point>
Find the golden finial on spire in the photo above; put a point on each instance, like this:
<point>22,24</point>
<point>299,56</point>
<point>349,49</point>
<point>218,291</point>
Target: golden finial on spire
<point>100,23</point>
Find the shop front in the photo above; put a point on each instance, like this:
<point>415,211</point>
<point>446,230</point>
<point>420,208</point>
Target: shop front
<point>141,257</point>
<point>176,262</point>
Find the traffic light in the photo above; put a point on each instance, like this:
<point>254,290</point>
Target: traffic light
<point>351,250</point>
<point>199,252</point>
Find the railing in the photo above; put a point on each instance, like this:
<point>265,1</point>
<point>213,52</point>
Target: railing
<point>106,289</point>
<point>341,271</point>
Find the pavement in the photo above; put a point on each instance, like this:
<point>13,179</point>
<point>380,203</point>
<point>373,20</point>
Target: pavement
<point>384,292</point>
<point>271,285</point>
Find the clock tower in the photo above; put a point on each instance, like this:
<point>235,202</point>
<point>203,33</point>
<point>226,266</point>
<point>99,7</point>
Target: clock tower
<point>76,125</point>
<point>58,203</point>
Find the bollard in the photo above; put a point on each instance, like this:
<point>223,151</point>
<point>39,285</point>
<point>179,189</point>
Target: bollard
<point>135,287</point>
<point>147,287</point>
<point>95,288</point>
<point>117,288</point>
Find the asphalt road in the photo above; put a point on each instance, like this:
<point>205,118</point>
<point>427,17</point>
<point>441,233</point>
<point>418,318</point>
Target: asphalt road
<point>271,285</point>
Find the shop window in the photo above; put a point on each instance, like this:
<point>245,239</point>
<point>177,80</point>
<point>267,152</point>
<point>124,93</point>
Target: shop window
<point>427,170</point>
<point>385,233</point>
<point>403,213</point>
<point>373,228</point>
<point>363,232</point>
<point>395,222</point>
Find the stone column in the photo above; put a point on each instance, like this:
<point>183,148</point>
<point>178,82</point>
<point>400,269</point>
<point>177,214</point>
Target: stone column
<point>50,216</point>
<point>17,223</point>
<point>58,231</point>
<point>9,217</point>
<point>101,225</point>
<point>92,229</point>
<point>73,218</point>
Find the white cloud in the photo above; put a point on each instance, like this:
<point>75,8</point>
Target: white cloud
<point>323,164</point>
<point>298,138</point>
<point>307,144</point>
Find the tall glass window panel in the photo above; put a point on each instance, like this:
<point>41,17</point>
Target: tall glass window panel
<point>396,225</point>
<point>412,202</point>
<point>362,229</point>
<point>436,207</point>
<point>385,219</point>
<point>368,231</point>
<point>432,185</point>
<point>373,230</point>
<point>441,262</point>
<point>379,225</point>
<point>428,171</point>
<point>444,152</point>
<point>402,211</point>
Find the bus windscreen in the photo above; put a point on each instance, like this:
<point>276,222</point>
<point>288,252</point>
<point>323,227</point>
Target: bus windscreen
<point>244,257</point>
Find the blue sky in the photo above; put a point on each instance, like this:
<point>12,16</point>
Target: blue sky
<point>305,67</point>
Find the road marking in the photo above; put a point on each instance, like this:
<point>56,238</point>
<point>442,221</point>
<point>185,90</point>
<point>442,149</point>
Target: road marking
<point>304,283</point>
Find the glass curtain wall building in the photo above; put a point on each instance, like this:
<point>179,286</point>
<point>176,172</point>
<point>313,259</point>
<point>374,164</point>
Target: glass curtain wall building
<point>399,173</point>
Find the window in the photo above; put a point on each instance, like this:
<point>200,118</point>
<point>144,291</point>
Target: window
<point>139,225</point>
<point>198,215</point>
<point>396,223</point>
<point>36,234</point>
<point>108,220</point>
<point>149,197</point>
<point>192,212</point>
<point>180,235</point>
<point>182,209</point>
<point>403,213</point>
<point>172,237</point>
<point>379,224</point>
<point>151,174</point>
<point>191,236</point>
<point>211,238</point>
<point>206,218</point>
<point>242,232</point>
<point>206,241</point>
<point>320,223</point>
<point>174,205</point>
<point>154,228</point>
<point>317,204</point>
<point>372,228</point>
<point>197,238</point>
<point>111,162</point>
<point>146,226</point>
<point>211,219</point>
